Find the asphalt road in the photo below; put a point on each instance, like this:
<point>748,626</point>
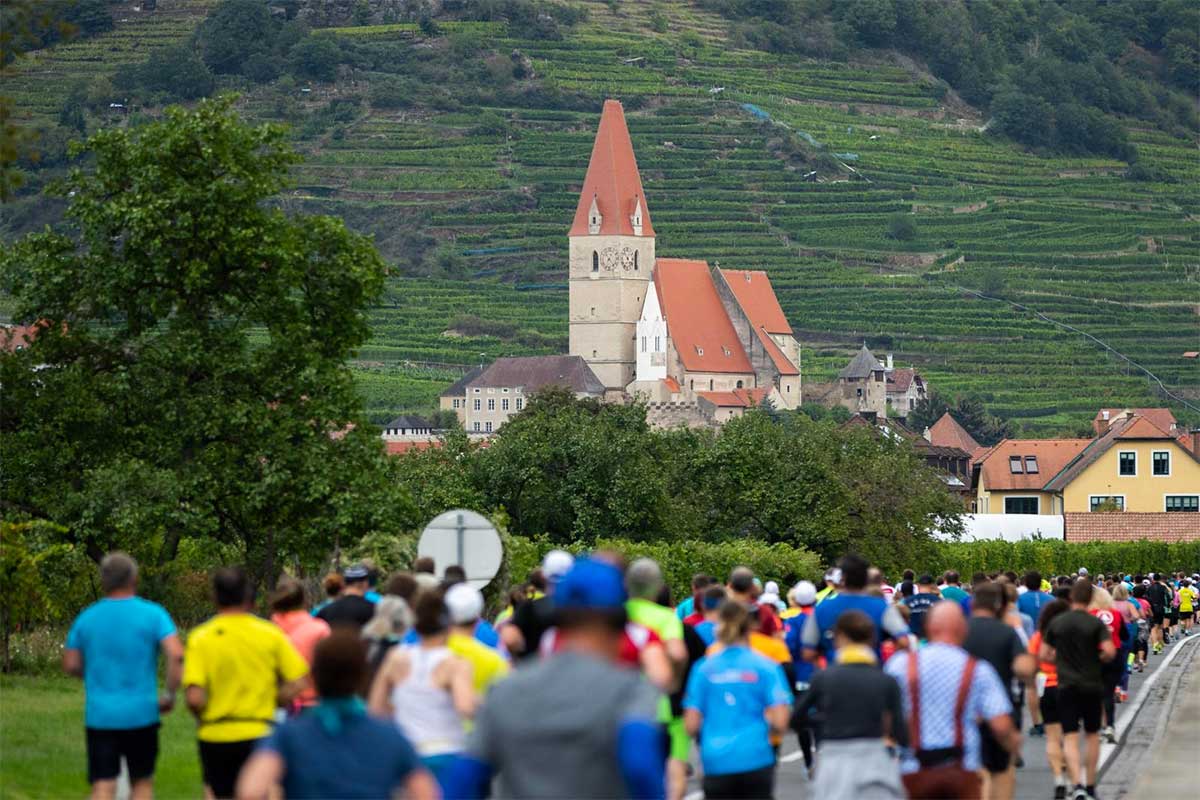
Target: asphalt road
<point>1034,780</point>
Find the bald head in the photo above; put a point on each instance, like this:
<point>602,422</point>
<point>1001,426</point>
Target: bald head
<point>946,623</point>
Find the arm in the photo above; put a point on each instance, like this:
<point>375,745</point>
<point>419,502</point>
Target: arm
<point>420,785</point>
<point>1006,732</point>
<point>262,773</point>
<point>693,720</point>
<point>1024,667</point>
<point>510,635</point>
<point>378,702</point>
<point>656,666</point>
<point>778,717</point>
<point>1108,650</point>
<point>462,689</point>
<point>290,690</point>
<point>810,638</point>
<point>893,625</point>
<point>72,662</point>
<point>173,652</point>
<point>196,698</point>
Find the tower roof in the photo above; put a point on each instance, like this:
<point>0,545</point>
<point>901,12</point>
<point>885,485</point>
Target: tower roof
<point>612,180</point>
<point>862,365</point>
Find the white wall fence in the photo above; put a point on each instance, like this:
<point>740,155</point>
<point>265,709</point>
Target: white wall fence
<point>1012,527</point>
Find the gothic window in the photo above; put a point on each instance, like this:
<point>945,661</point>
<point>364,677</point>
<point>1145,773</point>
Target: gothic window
<point>739,384</point>
<point>657,344</point>
<point>593,354</point>
<point>595,261</point>
<point>643,344</point>
<point>635,259</point>
<point>710,384</point>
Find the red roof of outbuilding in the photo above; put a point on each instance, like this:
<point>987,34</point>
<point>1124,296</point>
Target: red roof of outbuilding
<point>612,179</point>
<point>696,319</point>
<point>900,379</point>
<point>738,398</point>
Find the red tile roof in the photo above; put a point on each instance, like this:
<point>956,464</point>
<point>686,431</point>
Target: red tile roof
<point>671,384</point>
<point>1144,428</point>
<point>696,319</point>
<point>738,398</point>
<point>1161,417</point>
<point>756,296</point>
<point>900,379</point>
<point>612,179</point>
<point>18,337</point>
<point>1186,442</point>
<point>1123,429</point>
<point>1052,455</point>
<point>400,448</point>
<point>946,432</point>
<point>1130,526</point>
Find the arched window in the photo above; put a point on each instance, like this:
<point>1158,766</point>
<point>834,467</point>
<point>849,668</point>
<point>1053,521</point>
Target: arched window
<point>739,384</point>
<point>595,261</point>
<point>635,259</point>
<point>710,384</point>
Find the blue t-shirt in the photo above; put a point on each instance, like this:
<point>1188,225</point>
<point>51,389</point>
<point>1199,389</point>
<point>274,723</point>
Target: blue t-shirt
<point>119,642</point>
<point>368,758</point>
<point>919,605</point>
<point>1031,603</point>
<point>732,690</point>
<point>793,628</point>
<point>486,634</point>
<point>818,629</point>
<point>685,609</point>
<point>707,631</point>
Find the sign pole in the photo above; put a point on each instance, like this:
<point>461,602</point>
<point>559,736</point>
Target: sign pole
<point>459,531</point>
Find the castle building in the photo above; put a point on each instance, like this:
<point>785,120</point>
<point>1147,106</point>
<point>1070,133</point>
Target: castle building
<point>666,329</point>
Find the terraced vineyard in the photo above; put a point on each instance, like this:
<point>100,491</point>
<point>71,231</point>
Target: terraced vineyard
<point>1070,237</point>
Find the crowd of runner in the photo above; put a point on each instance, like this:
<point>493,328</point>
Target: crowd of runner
<point>592,683</point>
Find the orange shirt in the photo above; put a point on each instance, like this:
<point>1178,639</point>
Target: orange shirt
<point>1047,668</point>
<point>303,630</point>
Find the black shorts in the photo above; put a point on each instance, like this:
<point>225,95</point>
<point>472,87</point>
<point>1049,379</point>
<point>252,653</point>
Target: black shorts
<point>1076,706</point>
<point>1048,703</point>
<point>992,755</point>
<point>106,748</point>
<point>755,784</point>
<point>1156,614</point>
<point>221,762</point>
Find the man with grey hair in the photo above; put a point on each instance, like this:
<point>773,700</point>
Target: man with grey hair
<point>113,645</point>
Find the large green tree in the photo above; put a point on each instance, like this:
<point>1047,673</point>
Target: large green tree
<point>188,378</point>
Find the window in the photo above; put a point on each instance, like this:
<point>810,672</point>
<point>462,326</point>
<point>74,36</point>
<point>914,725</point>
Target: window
<point>504,391</point>
<point>643,344</point>
<point>1021,505</point>
<point>491,404</point>
<point>657,344</point>
<point>635,254</point>
<point>1104,502</point>
<point>593,311</point>
<point>1189,503</point>
<point>504,404</point>
<point>699,350</point>
<point>1160,462</point>
<point>520,403</point>
<point>593,354</point>
<point>595,261</point>
<point>476,391</point>
<point>1014,465</point>
<point>476,426</point>
<point>739,384</point>
<point>710,384</point>
<point>456,403</point>
<point>1127,463</point>
<point>487,426</point>
<point>478,403</point>
<point>1031,465</point>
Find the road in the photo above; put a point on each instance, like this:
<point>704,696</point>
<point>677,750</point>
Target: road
<point>1139,737</point>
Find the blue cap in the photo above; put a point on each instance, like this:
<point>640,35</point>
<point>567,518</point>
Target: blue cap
<point>590,585</point>
<point>356,572</point>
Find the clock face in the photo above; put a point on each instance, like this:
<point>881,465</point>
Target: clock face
<point>609,258</point>
<point>627,258</point>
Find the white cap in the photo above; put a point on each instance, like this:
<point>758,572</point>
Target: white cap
<point>1083,571</point>
<point>556,564</point>
<point>804,593</point>
<point>771,588</point>
<point>464,603</point>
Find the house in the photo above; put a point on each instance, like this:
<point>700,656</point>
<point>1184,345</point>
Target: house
<point>664,329</point>
<point>905,388</point>
<point>1133,466</point>
<point>408,428</point>
<point>500,390</point>
<point>453,398</point>
<point>723,406</point>
<point>951,464</point>
<point>1011,477</point>
<point>1161,417</point>
<point>946,432</point>
<point>863,384</point>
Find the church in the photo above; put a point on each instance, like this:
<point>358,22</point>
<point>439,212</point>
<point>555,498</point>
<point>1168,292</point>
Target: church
<point>667,330</point>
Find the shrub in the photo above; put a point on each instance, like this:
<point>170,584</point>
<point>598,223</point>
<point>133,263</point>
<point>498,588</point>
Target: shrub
<point>1056,557</point>
<point>901,227</point>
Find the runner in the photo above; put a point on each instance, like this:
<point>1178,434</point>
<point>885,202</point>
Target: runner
<point>856,706</point>
<point>804,595</point>
<point>389,627</point>
<point>817,636</point>
<point>1160,598</point>
<point>427,690</point>
<point>1046,687</point>
<point>714,596</point>
<point>947,694</point>
<point>1079,643</point>
<point>465,606</point>
<point>1101,607</point>
<point>920,603</point>
<point>734,701</point>
<point>575,724</point>
<point>332,584</point>
<point>991,639</point>
<point>689,610</point>
<point>831,580</point>
<point>1187,605</point>
<point>742,589</point>
<point>522,634</point>
<point>302,629</point>
<point>237,670</point>
<point>951,590</point>
<point>336,749</point>
<point>114,645</point>
<point>351,609</point>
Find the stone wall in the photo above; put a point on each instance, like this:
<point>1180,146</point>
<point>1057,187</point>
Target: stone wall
<point>674,415</point>
<point>1126,526</point>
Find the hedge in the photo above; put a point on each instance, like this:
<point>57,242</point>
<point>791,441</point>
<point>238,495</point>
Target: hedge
<point>680,560</point>
<point>1060,558</point>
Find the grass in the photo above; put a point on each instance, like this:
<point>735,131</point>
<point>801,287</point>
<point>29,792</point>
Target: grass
<point>42,743</point>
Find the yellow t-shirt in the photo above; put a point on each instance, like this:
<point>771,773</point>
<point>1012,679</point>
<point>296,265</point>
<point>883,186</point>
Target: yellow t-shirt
<point>1187,599</point>
<point>487,665</point>
<point>239,660</point>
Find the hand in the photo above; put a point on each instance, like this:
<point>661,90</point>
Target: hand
<point>166,702</point>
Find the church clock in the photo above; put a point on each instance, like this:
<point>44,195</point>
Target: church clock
<point>609,258</point>
<point>627,260</point>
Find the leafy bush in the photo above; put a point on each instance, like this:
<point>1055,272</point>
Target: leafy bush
<point>1060,558</point>
<point>901,227</point>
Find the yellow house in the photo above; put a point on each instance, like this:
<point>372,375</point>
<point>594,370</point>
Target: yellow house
<point>1133,466</point>
<point>1013,475</point>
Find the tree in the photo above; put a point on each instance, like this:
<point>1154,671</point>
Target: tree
<point>901,227</point>
<point>316,58</point>
<point>968,411</point>
<point>189,377</point>
<point>176,73</point>
<point>234,31</point>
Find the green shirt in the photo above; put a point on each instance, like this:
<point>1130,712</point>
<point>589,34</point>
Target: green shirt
<point>657,618</point>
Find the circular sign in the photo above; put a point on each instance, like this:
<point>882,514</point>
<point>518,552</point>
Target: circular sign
<point>467,539</point>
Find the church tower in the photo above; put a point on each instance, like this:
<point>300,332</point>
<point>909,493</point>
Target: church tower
<point>611,256</point>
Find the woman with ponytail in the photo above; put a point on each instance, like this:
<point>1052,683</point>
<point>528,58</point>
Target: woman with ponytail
<point>735,700</point>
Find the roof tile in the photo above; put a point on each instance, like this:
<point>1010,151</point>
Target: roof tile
<point>1051,454</point>
<point>612,179</point>
<point>696,319</point>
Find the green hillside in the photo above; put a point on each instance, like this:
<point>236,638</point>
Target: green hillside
<point>470,190</point>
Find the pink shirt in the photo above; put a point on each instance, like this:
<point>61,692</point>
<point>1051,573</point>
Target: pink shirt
<point>304,631</point>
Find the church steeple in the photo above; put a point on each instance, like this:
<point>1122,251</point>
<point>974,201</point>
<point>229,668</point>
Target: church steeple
<point>612,189</point>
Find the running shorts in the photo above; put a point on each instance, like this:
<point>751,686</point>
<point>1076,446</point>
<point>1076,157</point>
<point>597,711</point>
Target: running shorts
<point>1158,615</point>
<point>221,762</point>
<point>992,755</point>
<point>1049,705</point>
<point>106,748</point>
<point>1077,706</point>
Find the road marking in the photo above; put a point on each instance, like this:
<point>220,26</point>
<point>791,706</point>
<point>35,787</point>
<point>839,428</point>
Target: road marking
<point>795,755</point>
<point>1107,751</point>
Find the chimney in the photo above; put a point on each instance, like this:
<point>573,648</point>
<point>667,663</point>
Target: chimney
<point>1104,415</point>
<point>1196,441</point>
<point>927,435</point>
<point>889,362</point>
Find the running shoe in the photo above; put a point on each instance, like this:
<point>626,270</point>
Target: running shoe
<point>1110,735</point>
<point>1080,793</point>
<point>1060,792</point>
<point>1037,730</point>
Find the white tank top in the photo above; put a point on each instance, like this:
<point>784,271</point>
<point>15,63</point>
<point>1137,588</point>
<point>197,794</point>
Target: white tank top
<point>425,712</point>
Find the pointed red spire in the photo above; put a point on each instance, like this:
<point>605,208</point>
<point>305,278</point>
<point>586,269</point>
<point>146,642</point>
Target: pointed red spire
<point>612,181</point>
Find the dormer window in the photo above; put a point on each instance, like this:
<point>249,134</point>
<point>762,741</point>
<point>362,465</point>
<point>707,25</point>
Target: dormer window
<point>699,350</point>
<point>725,350</point>
<point>595,218</point>
<point>636,217</point>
